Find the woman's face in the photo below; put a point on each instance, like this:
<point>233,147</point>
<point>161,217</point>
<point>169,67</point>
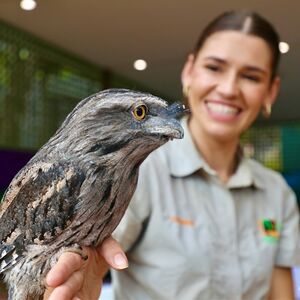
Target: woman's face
<point>228,83</point>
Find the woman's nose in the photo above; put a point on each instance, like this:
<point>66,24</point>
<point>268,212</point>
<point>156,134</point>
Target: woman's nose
<point>228,86</point>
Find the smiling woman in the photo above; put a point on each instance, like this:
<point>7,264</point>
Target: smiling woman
<point>229,78</point>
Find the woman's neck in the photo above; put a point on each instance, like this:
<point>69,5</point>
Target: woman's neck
<point>220,155</point>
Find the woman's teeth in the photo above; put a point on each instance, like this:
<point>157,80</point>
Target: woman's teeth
<point>222,108</point>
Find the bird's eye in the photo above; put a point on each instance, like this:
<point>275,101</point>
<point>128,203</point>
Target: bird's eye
<point>140,112</point>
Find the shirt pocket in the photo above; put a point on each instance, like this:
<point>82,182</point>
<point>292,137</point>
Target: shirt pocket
<point>192,240</point>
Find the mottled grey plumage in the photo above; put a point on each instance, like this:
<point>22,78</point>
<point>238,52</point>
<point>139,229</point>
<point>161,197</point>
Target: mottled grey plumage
<point>75,190</point>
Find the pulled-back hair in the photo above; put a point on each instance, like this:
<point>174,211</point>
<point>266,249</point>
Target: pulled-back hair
<point>247,22</point>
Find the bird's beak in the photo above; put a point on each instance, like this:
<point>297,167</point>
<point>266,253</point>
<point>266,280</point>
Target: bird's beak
<point>172,112</point>
<point>173,129</point>
<point>165,124</point>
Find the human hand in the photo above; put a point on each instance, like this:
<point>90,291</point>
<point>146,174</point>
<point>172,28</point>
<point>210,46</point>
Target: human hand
<point>73,278</point>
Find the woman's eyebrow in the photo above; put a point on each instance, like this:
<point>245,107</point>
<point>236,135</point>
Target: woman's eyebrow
<point>256,69</point>
<point>216,59</point>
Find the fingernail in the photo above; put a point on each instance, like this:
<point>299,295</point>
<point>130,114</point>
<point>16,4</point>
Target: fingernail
<point>121,261</point>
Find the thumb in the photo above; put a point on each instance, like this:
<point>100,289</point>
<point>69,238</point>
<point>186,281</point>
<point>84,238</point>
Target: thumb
<point>113,254</point>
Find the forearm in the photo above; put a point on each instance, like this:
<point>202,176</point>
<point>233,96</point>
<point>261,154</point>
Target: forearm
<point>282,284</point>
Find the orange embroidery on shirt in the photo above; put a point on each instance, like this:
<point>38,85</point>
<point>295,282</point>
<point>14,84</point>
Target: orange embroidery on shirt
<point>182,221</point>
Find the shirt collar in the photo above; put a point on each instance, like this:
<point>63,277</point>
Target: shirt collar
<point>185,159</point>
<point>244,176</point>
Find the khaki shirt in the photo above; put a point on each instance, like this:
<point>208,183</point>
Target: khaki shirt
<point>189,236</point>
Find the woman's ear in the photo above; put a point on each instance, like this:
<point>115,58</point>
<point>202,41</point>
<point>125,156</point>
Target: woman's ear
<point>273,91</point>
<point>186,71</point>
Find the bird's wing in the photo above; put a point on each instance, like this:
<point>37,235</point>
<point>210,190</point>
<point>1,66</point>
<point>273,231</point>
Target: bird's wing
<point>39,203</point>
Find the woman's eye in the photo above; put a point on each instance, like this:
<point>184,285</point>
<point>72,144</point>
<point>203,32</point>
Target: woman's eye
<point>214,68</point>
<point>252,78</point>
<point>140,112</point>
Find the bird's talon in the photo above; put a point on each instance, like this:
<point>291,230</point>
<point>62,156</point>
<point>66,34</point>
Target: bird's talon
<point>78,250</point>
<point>85,257</point>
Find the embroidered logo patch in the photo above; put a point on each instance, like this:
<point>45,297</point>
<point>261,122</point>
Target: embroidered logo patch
<point>270,230</point>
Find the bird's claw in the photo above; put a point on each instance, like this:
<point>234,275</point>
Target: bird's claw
<point>78,250</point>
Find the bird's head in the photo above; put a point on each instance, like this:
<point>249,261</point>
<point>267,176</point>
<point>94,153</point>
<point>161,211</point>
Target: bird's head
<point>120,120</point>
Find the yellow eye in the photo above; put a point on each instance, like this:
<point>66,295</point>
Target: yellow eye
<point>140,112</point>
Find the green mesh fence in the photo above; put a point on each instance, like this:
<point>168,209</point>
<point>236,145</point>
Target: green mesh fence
<point>276,146</point>
<point>264,143</point>
<point>39,85</point>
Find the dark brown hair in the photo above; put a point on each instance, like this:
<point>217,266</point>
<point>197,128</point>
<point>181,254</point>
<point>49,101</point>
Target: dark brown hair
<point>249,23</point>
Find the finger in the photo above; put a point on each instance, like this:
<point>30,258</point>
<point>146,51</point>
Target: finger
<point>67,264</point>
<point>69,288</point>
<point>112,252</point>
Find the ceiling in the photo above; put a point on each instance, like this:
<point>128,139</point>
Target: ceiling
<point>113,33</point>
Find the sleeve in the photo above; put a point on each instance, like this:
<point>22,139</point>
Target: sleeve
<point>138,211</point>
<point>288,254</point>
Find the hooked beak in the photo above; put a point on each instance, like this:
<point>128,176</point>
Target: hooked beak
<point>172,126</point>
<point>165,125</point>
